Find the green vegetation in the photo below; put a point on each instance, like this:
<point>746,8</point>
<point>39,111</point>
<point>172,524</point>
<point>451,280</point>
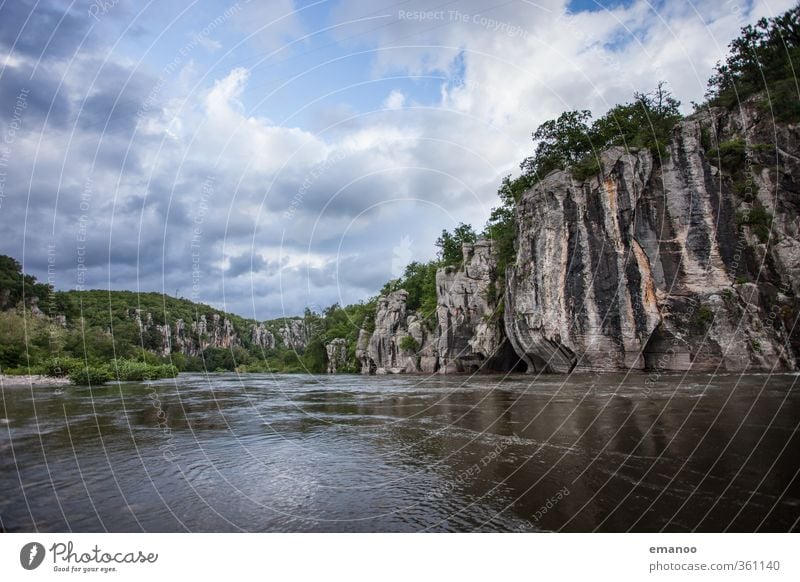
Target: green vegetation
<point>704,316</point>
<point>705,139</point>
<point>501,227</point>
<point>90,375</point>
<point>730,155</point>
<point>102,340</point>
<point>135,371</point>
<point>450,244</point>
<point>572,142</point>
<point>409,343</point>
<point>762,63</point>
<point>419,280</point>
<point>758,219</point>
<point>13,285</point>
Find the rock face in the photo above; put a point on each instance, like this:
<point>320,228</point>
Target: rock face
<point>336,352</point>
<point>383,353</point>
<point>469,332</point>
<point>690,261</point>
<point>294,334</point>
<point>368,365</point>
<point>644,265</point>
<point>260,336</point>
<point>193,339</point>
<point>401,343</point>
<point>468,335</point>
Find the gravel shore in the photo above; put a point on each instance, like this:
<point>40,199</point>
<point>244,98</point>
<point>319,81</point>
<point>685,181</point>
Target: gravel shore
<point>31,379</point>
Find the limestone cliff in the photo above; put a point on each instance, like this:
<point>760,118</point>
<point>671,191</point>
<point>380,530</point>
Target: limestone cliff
<point>688,260</point>
<point>468,335</point>
<point>386,350</point>
<point>336,353</point>
<point>216,331</point>
<point>654,263</point>
<point>294,334</point>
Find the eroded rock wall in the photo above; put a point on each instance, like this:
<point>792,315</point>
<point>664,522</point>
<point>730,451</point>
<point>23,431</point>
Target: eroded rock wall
<point>648,264</point>
<point>336,353</point>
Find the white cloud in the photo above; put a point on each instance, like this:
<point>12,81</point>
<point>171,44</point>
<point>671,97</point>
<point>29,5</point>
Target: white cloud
<point>395,100</point>
<point>322,212</point>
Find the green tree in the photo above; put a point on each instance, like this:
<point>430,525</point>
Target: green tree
<point>450,244</point>
<point>13,284</point>
<point>559,143</point>
<point>501,228</point>
<point>763,58</point>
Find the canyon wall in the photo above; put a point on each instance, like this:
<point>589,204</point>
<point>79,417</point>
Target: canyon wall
<point>660,264</point>
<point>687,260</point>
<point>193,337</point>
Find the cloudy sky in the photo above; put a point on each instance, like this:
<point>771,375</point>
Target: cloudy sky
<point>264,156</point>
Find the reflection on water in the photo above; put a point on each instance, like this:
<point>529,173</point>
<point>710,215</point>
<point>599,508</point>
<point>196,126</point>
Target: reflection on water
<point>351,453</point>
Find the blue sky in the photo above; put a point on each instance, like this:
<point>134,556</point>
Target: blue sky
<point>268,156</point>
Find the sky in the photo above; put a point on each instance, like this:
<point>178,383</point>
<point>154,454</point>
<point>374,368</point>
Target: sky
<point>264,157</point>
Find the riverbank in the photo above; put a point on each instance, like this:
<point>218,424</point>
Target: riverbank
<point>7,381</point>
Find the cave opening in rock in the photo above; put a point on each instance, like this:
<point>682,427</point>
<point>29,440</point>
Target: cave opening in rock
<point>506,359</point>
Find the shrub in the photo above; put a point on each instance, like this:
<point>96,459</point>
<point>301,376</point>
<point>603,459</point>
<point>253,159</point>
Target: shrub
<point>757,218</point>
<point>90,375</point>
<point>450,244</point>
<point>704,316</point>
<point>586,168</point>
<point>408,343</point>
<point>731,155</point>
<point>59,367</point>
<point>705,139</point>
<point>133,371</point>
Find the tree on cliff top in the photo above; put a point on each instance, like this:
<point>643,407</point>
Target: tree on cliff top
<point>450,244</point>
<point>571,142</point>
<point>13,282</point>
<point>765,56</point>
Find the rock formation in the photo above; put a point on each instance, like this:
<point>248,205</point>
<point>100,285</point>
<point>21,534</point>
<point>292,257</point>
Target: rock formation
<point>260,336</point>
<point>672,263</point>
<point>368,365</point>
<point>294,334</point>
<point>469,329</point>
<point>638,266</point>
<point>400,343</point>
<point>191,340</point>
<point>336,351</point>
<point>383,353</point>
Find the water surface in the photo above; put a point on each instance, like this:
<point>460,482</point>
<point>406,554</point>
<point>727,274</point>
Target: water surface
<point>294,453</point>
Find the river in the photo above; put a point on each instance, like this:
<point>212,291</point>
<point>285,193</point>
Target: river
<point>297,453</point>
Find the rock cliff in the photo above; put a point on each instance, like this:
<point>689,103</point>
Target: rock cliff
<point>468,335</point>
<point>386,350</point>
<point>336,352</point>
<point>215,332</point>
<point>655,264</point>
<point>688,260</point>
<point>294,334</point>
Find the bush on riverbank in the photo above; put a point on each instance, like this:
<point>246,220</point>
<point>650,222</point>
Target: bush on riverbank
<point>133,371</point>
<point>90,375</point>
<point>79,372</point>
